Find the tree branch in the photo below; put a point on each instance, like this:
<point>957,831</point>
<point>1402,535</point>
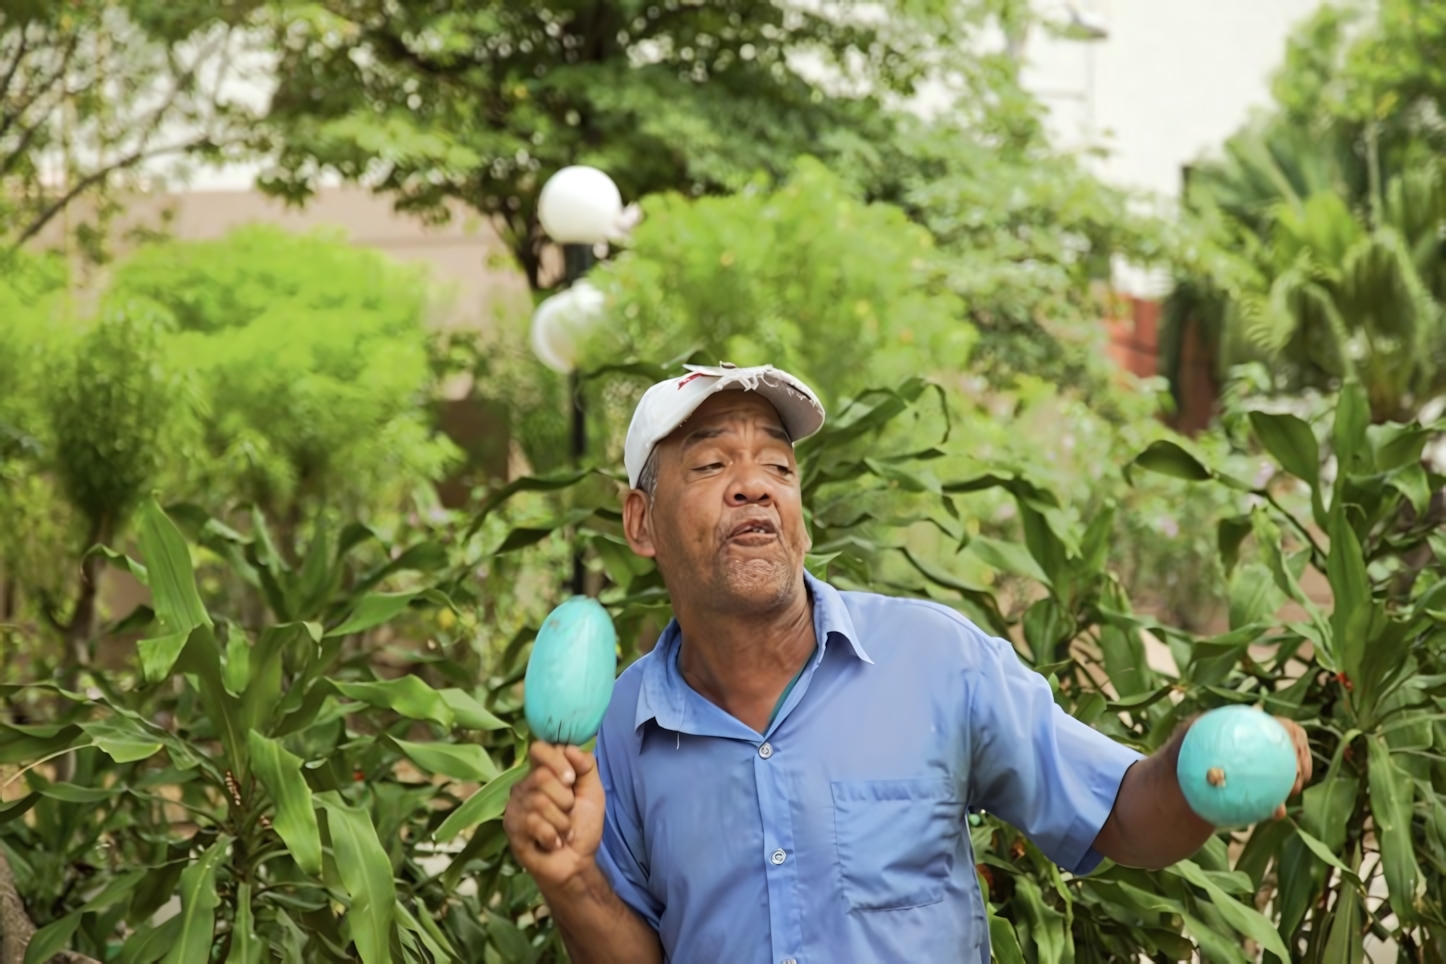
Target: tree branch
<point>95,177</point>
<point>46,84</point>
<point>20,50</point>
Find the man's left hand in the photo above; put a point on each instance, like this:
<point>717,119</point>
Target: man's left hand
<point>1303,763</point>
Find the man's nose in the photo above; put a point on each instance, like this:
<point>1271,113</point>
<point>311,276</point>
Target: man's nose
<point>750,485</point>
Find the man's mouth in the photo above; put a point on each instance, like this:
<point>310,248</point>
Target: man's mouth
<point>754,530</point>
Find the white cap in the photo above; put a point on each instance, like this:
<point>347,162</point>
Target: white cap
<point>668,404</point>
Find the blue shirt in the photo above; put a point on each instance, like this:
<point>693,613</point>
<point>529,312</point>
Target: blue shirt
<point>840,834</point>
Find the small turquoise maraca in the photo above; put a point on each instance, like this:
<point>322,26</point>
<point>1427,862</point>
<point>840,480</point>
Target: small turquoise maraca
<point>570,672</point>
<point>1237,765</point>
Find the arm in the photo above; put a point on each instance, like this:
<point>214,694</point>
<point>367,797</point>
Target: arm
<point>554,821</point>
<point>1151,825</point>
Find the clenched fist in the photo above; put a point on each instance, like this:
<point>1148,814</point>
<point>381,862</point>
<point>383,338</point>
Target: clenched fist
<point>554,817</point>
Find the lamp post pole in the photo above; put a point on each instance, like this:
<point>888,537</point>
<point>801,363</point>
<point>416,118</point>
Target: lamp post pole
<point>579,208</point>
<point>577,259</point>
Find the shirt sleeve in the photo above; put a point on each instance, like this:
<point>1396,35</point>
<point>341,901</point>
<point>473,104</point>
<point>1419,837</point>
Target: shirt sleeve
<point>622,857</point>
<point>1035,766</point>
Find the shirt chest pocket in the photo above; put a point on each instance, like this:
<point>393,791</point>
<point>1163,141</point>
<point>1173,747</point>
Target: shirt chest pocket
<point>896,840</point>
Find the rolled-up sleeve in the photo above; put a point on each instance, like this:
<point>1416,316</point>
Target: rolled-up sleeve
<point>622,855</point>
<point>1035,766</point>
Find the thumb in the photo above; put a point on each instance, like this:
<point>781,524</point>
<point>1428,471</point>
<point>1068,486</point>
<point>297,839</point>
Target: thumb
<point>584,764</point>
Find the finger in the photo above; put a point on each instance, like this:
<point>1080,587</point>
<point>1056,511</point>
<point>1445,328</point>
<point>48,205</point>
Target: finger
<point>552,757</point>
<point>582,761</point>
<point>550,786</point>
<point>1279,813</point>
<point>549,811</point>
<point>585,765</point>
<point>544,836</point>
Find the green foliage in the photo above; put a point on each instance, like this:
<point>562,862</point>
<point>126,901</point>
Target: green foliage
<point>786,277</point>
<point>307,359</point>
<point>1320,226</point>
<point>109,401</point>
<point>439,101</point>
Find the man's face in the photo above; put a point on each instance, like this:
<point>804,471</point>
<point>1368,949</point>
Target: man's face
<point>726,520</point>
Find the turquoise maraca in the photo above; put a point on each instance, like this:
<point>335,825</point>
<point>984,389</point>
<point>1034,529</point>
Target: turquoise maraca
<point>570,672</point>
<point>1237,765</point>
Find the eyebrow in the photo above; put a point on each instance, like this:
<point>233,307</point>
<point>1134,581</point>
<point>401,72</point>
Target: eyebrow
<point>705,434</point>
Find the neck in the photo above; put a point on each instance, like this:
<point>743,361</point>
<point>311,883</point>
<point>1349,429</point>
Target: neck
<point>741,662</point>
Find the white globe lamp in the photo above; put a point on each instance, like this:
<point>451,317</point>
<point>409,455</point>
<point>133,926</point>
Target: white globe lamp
<point>561,323</point>
<point>580,205</point>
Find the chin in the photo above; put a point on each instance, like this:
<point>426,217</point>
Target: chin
<point>761,583</point>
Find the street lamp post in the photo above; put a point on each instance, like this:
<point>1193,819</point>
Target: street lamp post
<point>580,208</point>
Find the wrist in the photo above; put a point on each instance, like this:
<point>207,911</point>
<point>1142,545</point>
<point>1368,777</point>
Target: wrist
<point>581,885</point>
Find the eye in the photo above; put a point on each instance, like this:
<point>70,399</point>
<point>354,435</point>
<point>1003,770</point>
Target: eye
<point>710,467</point>
<point>782,469</point>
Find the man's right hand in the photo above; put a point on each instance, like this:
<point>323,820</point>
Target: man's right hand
<point>554,817</point>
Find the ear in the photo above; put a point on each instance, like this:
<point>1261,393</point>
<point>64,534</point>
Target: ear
<point>638,523</point>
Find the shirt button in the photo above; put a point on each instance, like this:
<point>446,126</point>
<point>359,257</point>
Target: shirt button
<point>789,960</point>
<point>778,857</point>
<point>765,751</point>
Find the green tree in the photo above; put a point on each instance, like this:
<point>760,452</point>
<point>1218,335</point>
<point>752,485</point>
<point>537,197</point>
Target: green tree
<point>306,361</point>
<point>437,100</point>
<point>787,277</point>
<point>1319,226</point>
<point>97,95</point>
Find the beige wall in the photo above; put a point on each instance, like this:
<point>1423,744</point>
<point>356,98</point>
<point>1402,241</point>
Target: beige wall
<point>466,257</point>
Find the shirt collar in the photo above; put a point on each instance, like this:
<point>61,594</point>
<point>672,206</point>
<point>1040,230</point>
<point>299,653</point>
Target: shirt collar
<point>664,694</point>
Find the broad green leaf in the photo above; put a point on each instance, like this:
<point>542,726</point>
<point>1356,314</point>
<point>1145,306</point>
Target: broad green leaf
<point>121,740</point>
<point>1324,853</point>
<point>246,947</point>
<point>1230,533</point>
<point>119,888</point>
<point>468,713</point>
<point>52,938</point>
<point>1353,416</point>
<point>1245,919</point>
<point>201,657</point>
<point>149,944</point>
<point>374,609</point>
<point>173,589</point>
<point>1327,807</point>
<point>1345,943</point>
<point>1392,797</point>
<point>263,690</point>
<point>280,773</point>
<point>1168,458</point>
<point>1007,557</point>
<point>158,654</point>
<point>406,695</point>
<point>1218,948</point>
<point>366,873</point>
<point>1046,925</point>
<point>509,940</point>
<point>1398,446</point>
<point>199,901</point>
<point>484,805</point>
<point>460,761</point>
<point>1291,442</point>
<point>72,793</point>
<point>427,932</point>
<point>237,672</point>
<point>1411,482</point>
<point>1351,592</point>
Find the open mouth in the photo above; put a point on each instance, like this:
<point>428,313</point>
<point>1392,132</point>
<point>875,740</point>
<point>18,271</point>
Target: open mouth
<point>753,530</point>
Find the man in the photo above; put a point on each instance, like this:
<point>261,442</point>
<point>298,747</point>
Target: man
<point>784,779</point>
